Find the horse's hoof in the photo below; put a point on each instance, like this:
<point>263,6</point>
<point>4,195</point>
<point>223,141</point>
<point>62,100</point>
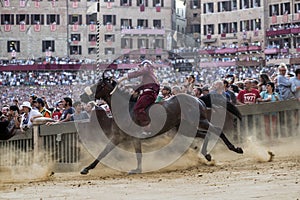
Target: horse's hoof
<point>239,150</point>
<point>135,171</point>
<point>208,157</point>
<point>84,171</point>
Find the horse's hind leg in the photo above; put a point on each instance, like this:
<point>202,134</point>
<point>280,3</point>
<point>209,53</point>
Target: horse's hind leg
<point>230,145</point>
<point>138,150</point>
<point>108,148</point>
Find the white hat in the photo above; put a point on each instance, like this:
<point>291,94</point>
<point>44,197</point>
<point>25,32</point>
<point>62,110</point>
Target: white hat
<point>146,61</point>
<point>26,104</point>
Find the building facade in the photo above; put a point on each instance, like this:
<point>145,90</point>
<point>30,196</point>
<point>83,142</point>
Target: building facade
<point>68,28</point>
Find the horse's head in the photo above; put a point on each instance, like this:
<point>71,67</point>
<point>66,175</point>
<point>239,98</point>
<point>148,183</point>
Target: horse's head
<point>100,90</point>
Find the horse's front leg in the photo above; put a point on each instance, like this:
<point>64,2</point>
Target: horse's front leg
<point>108,148</point>
<point>230,145</point>
<point>138,151</point>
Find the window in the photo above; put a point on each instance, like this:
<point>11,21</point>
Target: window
<point>140,2</point>
<point>297,7</point>
<point>91,19</point>
<point>92,51</point>
<point>159,43</point>
<point>109,19</point>
<point>51,19</point>
<point>126,43</point>
<point>274,9</point>
<point>157,23</point>
<point>22,19</point>
<point>142,23</point>
<point>126,3</point>
<point>285,8</point>
<point>209,29</point>
<point>92,37</point>
<point>13,45</point>
<point>208,8</point>
<point>75,19</point>
<point>75,50</point>
<point>195,28</point>
<point>245,4</point>
<point>75,37</point>
<point>126,23</point>
<point>143,43</point>
<point>37,19</point>
<point>224,6</point>
<point>7,19</point>
<point>109,51</point>
<point>195,4</point>
<point>107,0</point>
<point>158,3</point>
<point>48,45</point>
<point>109,38</point>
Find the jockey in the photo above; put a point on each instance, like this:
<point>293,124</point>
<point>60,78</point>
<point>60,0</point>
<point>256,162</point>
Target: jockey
<point>149,89</point>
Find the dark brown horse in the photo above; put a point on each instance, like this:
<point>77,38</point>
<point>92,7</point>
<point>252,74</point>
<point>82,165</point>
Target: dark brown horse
<point>180,109</point>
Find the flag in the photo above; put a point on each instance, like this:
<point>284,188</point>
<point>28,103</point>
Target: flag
<point>7,27</point>
<point>175,36</point>
<point>37,27</point>
<point>285,18</point>
<point>22,3</point>
<point>274,19</point>
<point>6,3</point>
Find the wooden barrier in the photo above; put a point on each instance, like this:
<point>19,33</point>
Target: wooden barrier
<point>59,143</point>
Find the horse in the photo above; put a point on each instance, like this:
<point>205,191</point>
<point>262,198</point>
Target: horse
<point>106,88</point>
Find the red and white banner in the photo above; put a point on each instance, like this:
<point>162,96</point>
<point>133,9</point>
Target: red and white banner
<point>37,4</point>
<point>53,27</point>
<point>13,54</point>
<point>75,27</point>
<point>109,5</point>
<point>7,27</point>
<point>6,3</point>
<point>142,8</point>
<point>109,27</point>
<point>274,19</point>
<point>22,27</point>
<point>157,8</point>
<point>37,27</point>
<point>92,27</point>
<point>22,3</point>
<point>75,4</point>
<point>285,18</point>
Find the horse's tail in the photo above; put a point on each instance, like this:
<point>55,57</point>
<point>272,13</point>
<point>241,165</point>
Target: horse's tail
<point>233,110</point>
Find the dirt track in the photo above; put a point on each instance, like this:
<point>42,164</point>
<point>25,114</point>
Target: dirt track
<point>232,176</point>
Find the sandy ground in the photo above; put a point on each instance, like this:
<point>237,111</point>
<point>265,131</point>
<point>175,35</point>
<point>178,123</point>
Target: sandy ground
<point>231,176</point>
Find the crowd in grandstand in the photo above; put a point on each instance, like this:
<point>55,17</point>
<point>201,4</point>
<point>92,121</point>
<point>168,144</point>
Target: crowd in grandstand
<point>53,92</point>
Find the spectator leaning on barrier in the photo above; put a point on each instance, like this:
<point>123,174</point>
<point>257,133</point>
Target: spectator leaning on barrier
<point>283,83</point>
<point>58,110</point>
<point>269,95</point>
<point>249,95</point>
<point>68,110</point>
<point>41,108</point>
<point>28,116</point>
<point>295,84</point>
<point>164,94</point>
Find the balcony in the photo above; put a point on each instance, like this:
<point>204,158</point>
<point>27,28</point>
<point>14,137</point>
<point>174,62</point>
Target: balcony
<point>254,48</point>
<point>216,64</point>
<point>146,31</point>
<point>278,32</point>
<point>204,52</point>
<point>242,49</point>
<point>272,51</point>
<point>226,50</point>
<point>295,30</point>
